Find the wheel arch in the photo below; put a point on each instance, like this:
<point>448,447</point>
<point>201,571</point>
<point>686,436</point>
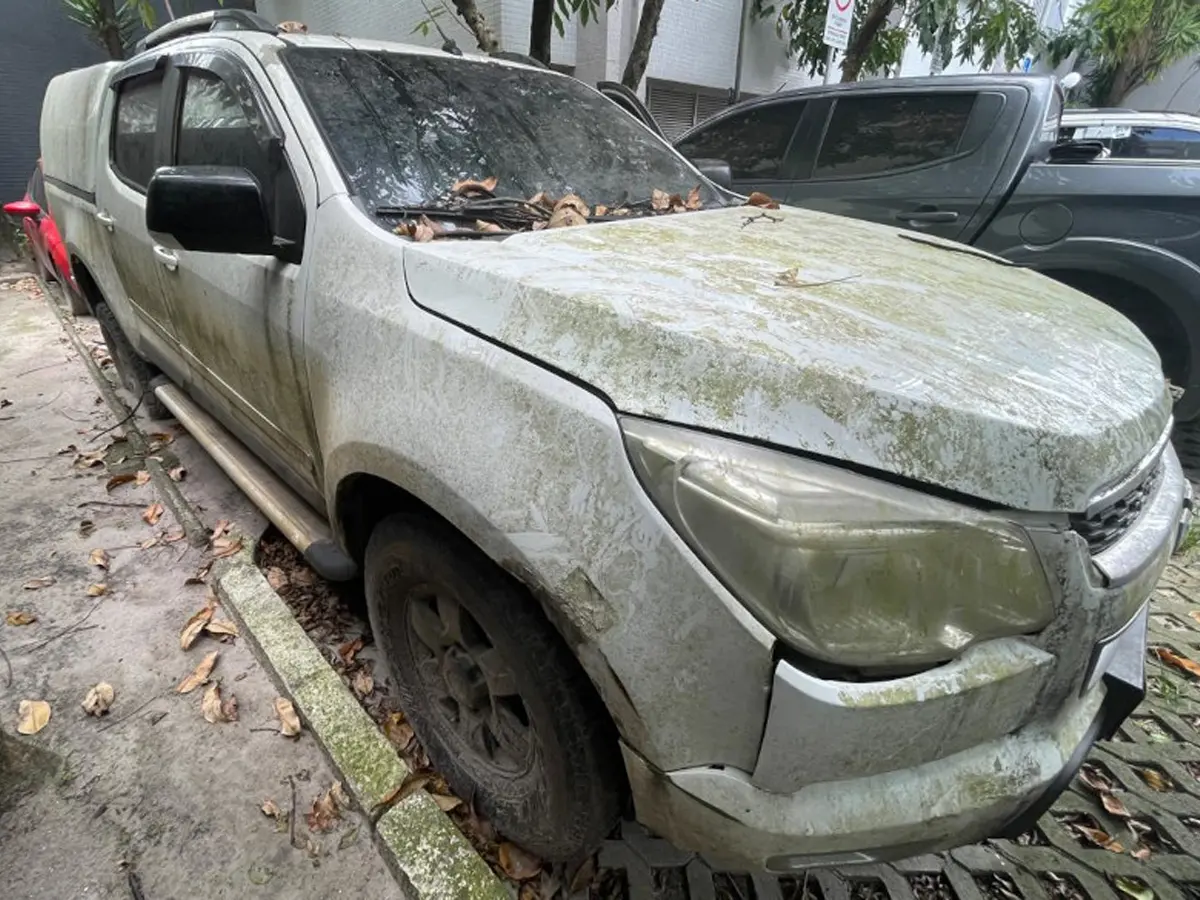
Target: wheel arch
<point>89,288</point>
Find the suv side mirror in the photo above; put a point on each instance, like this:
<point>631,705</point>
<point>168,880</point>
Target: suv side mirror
<point>210,209</point>
<point>715,170</point>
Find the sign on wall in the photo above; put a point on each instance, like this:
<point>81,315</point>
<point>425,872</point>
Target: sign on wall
<point>839,18</point>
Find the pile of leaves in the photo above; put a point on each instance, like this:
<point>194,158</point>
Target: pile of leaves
<point>473,209</point>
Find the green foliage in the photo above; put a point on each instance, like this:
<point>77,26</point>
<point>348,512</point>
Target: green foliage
<point>586,10</point>
<point>979,31</point>
<point>1122,44</point>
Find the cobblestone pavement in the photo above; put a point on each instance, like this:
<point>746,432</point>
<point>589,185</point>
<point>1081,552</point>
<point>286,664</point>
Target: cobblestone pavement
<point>1150,774</point>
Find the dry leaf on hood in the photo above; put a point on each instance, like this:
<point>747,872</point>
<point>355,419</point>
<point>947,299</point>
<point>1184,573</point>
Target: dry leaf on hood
<point>470,186</point>
<point>221,628</point>
<point>544,200</point>
<point>566,217</point>
<point>98,557</point>
<point>363,683</point>
<point>660,200</point>
<point>214,708</point>
<point>38,583</point>
<point>142,477</point>
<point>194,625</point>
<point>518,864</point>
<point>761,200</point>
<point>199,675</point>
<point>1174,659</point>
<point>34,716</point>
<point>118,480</point>
<point>19,617</point>
<point>1114,805</point>
<point>99,699</point>
<point>289,722</point>
<point>677,204</point>
<point>600,210</point>
<point>575,202</point>
<point>619,211</point>
<point>223,547</point>
<point>97,590</point>
<point>693,199</point>
<point>152,513</point>
<point>178,473</point>
<point>490,227</point>
<point>349,650</point>
<point>324,812</point>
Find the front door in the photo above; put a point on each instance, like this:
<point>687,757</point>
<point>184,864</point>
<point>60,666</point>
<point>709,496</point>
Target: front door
<point>239,318</point>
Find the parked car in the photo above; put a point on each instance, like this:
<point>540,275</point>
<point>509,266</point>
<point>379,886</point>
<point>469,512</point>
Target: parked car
<point>827,541</point>
<point>43,239</point>
<point>1129,134</point>
<point>973,158</point>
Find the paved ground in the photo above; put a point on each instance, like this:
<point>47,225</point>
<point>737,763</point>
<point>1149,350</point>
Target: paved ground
<point>151,801</point>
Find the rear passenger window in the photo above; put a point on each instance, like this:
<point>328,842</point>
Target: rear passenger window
<point>135,128</point>
<point>753,142</point>
<point>870,135</point>
<point>1157,143</point>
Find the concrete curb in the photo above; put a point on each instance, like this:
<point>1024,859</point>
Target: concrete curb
<point>426,852</point>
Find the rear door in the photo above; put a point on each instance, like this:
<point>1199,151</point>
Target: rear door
<point>924,160</point>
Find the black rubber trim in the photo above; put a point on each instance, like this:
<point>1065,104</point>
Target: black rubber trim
<point>66,186</point>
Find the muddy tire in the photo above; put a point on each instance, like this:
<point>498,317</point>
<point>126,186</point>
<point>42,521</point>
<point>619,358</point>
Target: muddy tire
<point>498,701</point>
<point>135,373</point>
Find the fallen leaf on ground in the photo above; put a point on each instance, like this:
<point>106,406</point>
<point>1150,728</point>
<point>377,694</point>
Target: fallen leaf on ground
<point>215,709</point>
<point>201,575</point>
<point>312,848</point>
<point>223,547</point>
<point>363,683</point>
<point>99,699</point>
<point>398,731</point>
<point>178,473</point>
<point>152,513</point>
<point>19,617</point>
<point>349,839</point>
<point>1114,805</point>
<point>172,536</point>
<point>96,590</point>
<point>270,809</point>
<point>199,675</point>
<point>194,625</point>
<point>148,543</point>
<point>142,477</point>
<point>221,627</point>
<point>1099,838</point>
<point>518,864</point>
<point>340,795</point>
<point>303,576</point>
<point>1174,659</point>
<point>118,480</point>
<point>38,583</point>
<point>34,716</point>
<point>447,802</point>
<point>1131,888</point>
<point>98,557</point>
<point>348,650</point>
<point>289,722</point>
<point>90,460</point>
<point>412,783</point>
<point>761,200</point>
<point>324,812</point>
<point>277,578</point>
<point>160,437</point>
<point>219,529</point>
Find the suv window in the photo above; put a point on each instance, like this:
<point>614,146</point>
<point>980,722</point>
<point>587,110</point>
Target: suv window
<point>135,128</point>
<point>1158,143</point>
<point>753,142</point>
<point>870,135</point>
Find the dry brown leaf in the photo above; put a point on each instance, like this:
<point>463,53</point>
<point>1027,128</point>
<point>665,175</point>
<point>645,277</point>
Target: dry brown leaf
<point>471,186</point>
<point>412,783</point>
<point>761,200</point>
<point>584,876</point>
<point>160,437</point>
<point>677,204</point>
<point>447,802</point>
<point>98,557</point>
<point>99,699</point>
<point>195,624</point>
<point>152,513</point>
<point>566,217</point>
<point>178,473</point>
<point>303,576</point>
<point>601,210</point>
<point>19,617</point>
<point>349,650</point>
<point>1095,779</point>
<point>660,200</point>
<point>1174,659</point>
<point>141,478</point>
<point>214,708</point>
<point>148,543</point>
<point>363,683</point>
<point>199,675</point>
<point>118,480</point>
<point>1099,838</point>
<point>324,812</point>
<point>398,731</point>
<point>90,460</point>
<point>693,199</point>
<point>34,716</point>
<point>1141,854</point>
<point>544,200</point>
<point>1154,779</point>
<point>518,864</point>
<point>221,628</point>
<point>229,708</point>
<point>97,590</point>
<point>269,808</point>
<point>277,578</point>
<point>172,536</point>
<point>575,202</point>
<point>289,722</point>
<point>490,227</point>
<point>219,529</point>
<point>1114,805</point>
<point>223,547</point>
<point>36,584</point>
<point>619,211</point>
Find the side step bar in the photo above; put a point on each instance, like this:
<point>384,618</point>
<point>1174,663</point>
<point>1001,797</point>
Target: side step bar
<point>298,521</point>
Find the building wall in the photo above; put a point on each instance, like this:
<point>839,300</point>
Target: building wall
<point>1177,90</point>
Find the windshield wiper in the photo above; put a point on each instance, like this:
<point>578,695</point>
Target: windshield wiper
<point>511,213</point>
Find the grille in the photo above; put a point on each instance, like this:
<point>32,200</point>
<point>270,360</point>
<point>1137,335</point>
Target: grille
<point>1105,527</point>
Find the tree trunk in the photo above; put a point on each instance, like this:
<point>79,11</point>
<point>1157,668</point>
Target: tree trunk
<point>639,55</point>
<point>539,30</point>
<point>108,32</point>
<point>860,44</point>
<point>485,37</point>
<point>1119,86</point>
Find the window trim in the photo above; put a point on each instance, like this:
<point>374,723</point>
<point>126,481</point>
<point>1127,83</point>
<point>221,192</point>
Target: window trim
<point>786,158</point>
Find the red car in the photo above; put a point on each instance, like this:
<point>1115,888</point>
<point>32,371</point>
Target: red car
<point>44,240</point>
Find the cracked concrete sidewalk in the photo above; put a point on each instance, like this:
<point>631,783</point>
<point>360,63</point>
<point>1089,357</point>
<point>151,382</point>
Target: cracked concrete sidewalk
<point>151,788</point>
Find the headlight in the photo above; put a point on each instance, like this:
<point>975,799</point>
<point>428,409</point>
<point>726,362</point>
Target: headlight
<point>843,567</point>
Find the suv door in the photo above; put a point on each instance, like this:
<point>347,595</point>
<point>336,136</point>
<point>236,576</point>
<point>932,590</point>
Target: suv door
<point>914,159</point>
<point>136,146</point>
<point>755,141</point>
<point>239,318</point>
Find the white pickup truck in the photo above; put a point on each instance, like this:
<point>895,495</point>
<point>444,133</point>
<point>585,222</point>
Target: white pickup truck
<point>827,541</point>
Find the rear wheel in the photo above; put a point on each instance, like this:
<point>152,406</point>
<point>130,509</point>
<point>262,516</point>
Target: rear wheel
<point>135,373</point>
<point>499,702</point>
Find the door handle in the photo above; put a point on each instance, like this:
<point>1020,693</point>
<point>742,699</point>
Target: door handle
<point>928,217</point>
<point>168,259</point>
<point>105,219</point>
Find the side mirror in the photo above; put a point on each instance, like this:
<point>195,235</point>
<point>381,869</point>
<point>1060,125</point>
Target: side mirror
<point>209,209</point>
<point>23,209</point>
<point>715,170</point>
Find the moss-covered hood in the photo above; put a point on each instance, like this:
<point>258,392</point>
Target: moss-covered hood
<point>842,338</point>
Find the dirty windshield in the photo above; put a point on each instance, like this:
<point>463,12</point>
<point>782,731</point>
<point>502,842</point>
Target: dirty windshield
<point>406,127</point>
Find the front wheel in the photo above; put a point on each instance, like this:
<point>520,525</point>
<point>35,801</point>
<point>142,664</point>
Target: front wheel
<point>500,704</point>
<point>135,373</point>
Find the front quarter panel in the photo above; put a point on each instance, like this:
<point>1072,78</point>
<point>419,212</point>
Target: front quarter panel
<point>532,468</point>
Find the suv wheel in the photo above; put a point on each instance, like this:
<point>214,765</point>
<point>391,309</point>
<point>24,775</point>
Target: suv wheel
<point>500,704</point>
<point>135,373</point>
